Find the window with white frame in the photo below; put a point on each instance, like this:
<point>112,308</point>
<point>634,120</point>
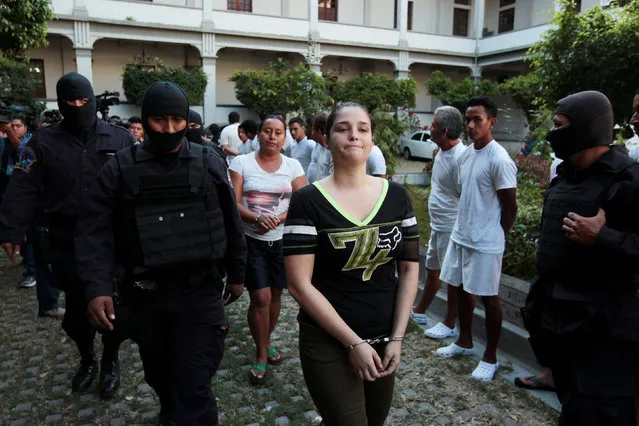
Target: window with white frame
<point>506,16</point>
<point>410,15</point>
<point>461,18</point>
<point>240,5</point>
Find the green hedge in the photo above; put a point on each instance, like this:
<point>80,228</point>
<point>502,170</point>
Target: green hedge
<point>136,79</point>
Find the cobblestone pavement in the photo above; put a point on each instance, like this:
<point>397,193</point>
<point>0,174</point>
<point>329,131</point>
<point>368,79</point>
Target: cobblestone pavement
<point>37,360</point>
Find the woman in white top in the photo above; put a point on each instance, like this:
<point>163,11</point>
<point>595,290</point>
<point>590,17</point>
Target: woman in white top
<point>264,181</point>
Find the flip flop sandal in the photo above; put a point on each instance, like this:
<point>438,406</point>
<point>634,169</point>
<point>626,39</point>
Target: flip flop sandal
<point>256,379</point>
<point>485,371</point>
<point>273,353</point>
<point>537,384</point>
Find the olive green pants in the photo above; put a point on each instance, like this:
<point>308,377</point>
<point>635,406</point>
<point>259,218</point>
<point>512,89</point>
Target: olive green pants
<point>341,397</point>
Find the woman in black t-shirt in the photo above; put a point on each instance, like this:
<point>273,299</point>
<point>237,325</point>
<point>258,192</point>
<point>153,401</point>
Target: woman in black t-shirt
<point>344,239</point>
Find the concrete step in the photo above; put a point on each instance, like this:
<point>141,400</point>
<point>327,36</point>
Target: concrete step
<point>512,292</point>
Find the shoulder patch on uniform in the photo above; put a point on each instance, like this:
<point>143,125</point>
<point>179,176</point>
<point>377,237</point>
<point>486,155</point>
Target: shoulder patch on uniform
<point>27,160</point>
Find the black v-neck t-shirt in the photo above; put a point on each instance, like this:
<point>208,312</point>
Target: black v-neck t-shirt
<point>355,261</point>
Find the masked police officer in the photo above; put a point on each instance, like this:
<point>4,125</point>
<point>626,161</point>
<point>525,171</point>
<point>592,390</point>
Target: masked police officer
<point>195,134</point>
<point>55,171</point>
<point>165,211</point>
<point>582,311</point>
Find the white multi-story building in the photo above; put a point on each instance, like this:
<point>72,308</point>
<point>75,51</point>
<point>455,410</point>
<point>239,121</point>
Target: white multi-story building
<point>477,38</point>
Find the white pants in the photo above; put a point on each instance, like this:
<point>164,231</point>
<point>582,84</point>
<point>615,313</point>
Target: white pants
<point>479,272</point>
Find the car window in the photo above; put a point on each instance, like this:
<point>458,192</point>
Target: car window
<point>417,137</point>
<point>426,137</point>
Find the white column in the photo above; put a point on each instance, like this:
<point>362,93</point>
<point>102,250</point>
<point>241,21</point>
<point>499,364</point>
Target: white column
<point>402,70</point>
<point>313,28</point>
<point>83,59</point>
<point>80,9</point>
<point>402,18</point>
<point>475,73</point>
<point>83,47</point>
<point>479,13</point>
<point>207,15</point>
<point>210,102</point>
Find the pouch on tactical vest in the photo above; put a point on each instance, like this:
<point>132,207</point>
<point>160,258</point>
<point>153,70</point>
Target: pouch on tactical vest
<point>169,219</point>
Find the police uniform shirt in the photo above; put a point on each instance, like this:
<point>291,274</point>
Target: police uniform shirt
<point>61,165</point>
<point>355,261</point>
<point>95,230</point>
<point>603,275</point>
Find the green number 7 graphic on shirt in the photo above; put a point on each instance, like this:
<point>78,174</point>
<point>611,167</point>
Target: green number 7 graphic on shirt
<point>365,244</point>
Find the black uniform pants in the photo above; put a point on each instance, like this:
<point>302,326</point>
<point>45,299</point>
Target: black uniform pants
<point>65,277</point>
<point>595,381</point>
<point>181,340</point>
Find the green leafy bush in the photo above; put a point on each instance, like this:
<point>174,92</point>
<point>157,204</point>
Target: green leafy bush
<point>458,94</point>
<point>281,87</point>
<point>23,26</point>
<point>563,58</point>
<point>533,169</point>
<point>136,79</point>
<point>376,91</point>
<point>521,245</point>
<point>17,86</point>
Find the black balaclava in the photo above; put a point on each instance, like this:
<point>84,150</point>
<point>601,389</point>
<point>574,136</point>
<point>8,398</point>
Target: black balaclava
<point>78,120</point>
<point>591,124</point>
<point>194,135</point>
<point>163,98</point>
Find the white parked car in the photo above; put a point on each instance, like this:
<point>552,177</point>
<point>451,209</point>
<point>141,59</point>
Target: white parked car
<point>418,145</point>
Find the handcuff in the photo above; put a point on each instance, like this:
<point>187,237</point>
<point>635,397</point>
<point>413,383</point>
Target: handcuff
<point>371,342</point>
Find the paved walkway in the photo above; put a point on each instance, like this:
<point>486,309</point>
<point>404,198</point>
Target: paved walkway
<point>37,360</point>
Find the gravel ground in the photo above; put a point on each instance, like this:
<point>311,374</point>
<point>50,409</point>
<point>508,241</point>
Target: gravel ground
<point>37,361</point>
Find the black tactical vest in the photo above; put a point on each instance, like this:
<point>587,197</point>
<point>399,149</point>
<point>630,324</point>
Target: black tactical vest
<point>560,258</point>
<point>168,219</point>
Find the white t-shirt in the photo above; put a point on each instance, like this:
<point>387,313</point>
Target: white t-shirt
<point>443,202</point>
<point>321,164</point>
<point>303,152</point>
<point>375,163</point>
<point>249,146</point>
<point>230,137</point>
<point>289,144</point>
<point>266,193</point>
<point>483,173</point>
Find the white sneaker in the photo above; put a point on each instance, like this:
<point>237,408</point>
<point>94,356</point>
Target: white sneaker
<point>28,282</point>
<point>419,318</point>
<point>485,371</point>
<point>441,331</point>
<point>453,350</point>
